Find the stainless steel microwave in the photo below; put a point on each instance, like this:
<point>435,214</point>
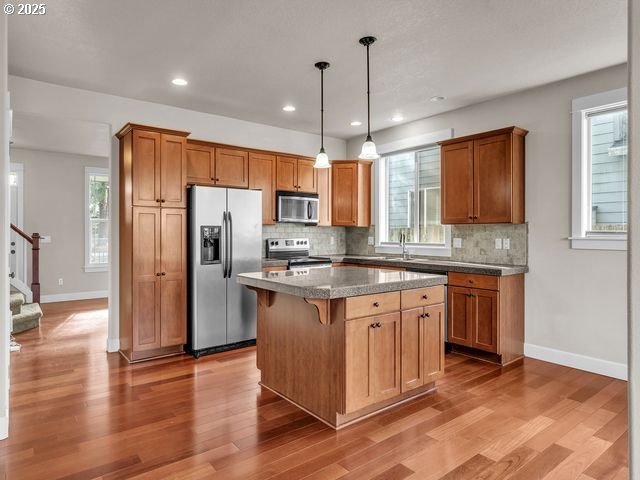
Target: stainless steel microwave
<point>297,207</point>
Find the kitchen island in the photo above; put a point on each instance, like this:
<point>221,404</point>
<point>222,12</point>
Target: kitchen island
<point>345,343</point>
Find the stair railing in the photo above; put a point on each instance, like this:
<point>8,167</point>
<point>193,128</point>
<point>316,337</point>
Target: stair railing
<point>34,240</point>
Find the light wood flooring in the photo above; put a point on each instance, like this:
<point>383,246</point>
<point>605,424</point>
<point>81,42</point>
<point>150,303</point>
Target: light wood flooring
<point>80,413</point>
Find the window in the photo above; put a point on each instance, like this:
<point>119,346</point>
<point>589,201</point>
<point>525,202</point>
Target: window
<point>599,194</point>
<point>400,211</point>
<point>96,219</point>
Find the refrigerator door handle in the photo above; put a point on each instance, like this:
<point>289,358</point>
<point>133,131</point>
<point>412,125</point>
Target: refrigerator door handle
<point>224,245</point>
<point>230,257</point>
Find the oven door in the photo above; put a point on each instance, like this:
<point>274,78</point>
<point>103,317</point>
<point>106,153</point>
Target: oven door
<point>297,208</point>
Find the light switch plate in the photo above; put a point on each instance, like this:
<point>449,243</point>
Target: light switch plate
<point>498,244</point>
<point>371,241</point>
<point>506,243</point>
<point>457,243</point>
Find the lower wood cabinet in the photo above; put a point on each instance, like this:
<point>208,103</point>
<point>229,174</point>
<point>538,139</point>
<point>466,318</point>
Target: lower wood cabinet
<point>422,346</point>
<point>153,303</point>
<point>489,319</point>
<point>392,353</point>
<point>373,360</point>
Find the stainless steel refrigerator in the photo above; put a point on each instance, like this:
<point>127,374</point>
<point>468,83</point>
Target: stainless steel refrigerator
<point>225,238</point>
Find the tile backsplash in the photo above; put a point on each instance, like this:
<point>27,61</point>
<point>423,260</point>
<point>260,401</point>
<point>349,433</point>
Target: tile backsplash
<point>323,240</point>
<point>478,243</point>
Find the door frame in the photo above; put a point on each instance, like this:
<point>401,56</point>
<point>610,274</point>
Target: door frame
<point>21,263</point>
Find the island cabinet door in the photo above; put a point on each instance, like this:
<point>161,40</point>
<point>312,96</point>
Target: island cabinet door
<point>412,349</point>
<point>433,343</point>
<point>372,360</point>
<point>459,318</point>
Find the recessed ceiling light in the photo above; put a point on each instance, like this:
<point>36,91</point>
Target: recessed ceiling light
<point>397,118</point>
<point>356,123</point>
<point>437,98</point>
<point>289,108</point>
<point>181,82</point>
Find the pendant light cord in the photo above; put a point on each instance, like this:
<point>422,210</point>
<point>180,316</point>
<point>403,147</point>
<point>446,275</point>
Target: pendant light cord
<point>368,99</point>
<point>322,110</point>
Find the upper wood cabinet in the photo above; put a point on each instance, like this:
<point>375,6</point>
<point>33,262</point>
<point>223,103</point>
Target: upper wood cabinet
<point>208,164</point>
<point>201,164</point>
<point>296,175</point>
<point>351,193</point>
<point>324,197</point>
<point>155,168</point>
<point>262,176</point>
<point>483,177</point>
<point>232,168</point>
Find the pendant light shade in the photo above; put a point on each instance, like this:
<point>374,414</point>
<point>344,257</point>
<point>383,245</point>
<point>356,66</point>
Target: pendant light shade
<point>322,159</point>
<point>369,151</point>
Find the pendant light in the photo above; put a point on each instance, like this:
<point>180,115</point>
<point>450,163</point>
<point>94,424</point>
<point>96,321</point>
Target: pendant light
<point>322,160</point>
<point>368,147</point>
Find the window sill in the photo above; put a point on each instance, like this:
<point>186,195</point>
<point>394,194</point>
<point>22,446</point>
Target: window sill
<point>424,250</point>
<point>613,242</point>
<point>96,268</point>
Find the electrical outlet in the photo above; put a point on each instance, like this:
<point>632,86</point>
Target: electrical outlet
<point>457,243</point>
<point>506,243</point>
<point>333,240</point>
<point>498,244</point>
<point>371,241</point>
<point>60,282</point>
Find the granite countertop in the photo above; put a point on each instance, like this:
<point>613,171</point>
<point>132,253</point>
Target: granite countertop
<point>419,264</point>
<point>342,282</point>
<point>434,266</point>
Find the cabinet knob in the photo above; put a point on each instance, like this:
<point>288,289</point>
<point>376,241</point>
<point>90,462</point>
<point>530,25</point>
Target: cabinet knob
<point>164,273</point>
<point>425,297</point>
<point>158,200</point>
<point>470,217</point>
<point>162,201</point>
<point>475,217</point>
<point>376,304</point>
<point>158,274</point>
<point>427,315</point>
<point>373,325</point>
<point>378,325</point>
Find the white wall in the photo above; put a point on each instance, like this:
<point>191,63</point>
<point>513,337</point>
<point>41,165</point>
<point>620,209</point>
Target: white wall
<point>54,205</point>
<point>5,315</point>
<point>575,299</point>
<point>39,98</point>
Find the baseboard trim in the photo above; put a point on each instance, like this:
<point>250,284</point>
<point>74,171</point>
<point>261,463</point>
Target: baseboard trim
<point>575,360</point>
<point>113,345</point>
<point>67,297</point>
<point>4,428</point>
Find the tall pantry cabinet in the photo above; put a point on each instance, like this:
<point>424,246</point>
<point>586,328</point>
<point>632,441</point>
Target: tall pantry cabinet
<point>153,241</point>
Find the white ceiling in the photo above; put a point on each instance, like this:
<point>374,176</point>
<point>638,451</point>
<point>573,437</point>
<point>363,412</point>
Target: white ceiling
<point>247,58</point>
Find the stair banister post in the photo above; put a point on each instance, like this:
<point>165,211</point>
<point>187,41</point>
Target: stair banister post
<point>35,267</point>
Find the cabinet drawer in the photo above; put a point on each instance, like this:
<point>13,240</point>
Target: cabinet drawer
<point>487,282</point>
<point>367,305</point>
<point>420,297</point>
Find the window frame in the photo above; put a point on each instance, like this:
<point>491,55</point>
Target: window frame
<point>380,197</point>
<point>88,173</point>
<point>581,204</point>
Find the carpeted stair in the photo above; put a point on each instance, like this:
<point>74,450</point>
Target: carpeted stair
<point>25,316</point>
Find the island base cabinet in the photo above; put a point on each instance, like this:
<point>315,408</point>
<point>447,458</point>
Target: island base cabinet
<point>422,346</point>
<point>372,360</point>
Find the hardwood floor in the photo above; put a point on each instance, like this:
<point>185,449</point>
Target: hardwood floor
<point>80,413</point>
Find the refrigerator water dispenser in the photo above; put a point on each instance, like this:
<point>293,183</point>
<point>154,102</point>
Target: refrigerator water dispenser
<point>209,244</point>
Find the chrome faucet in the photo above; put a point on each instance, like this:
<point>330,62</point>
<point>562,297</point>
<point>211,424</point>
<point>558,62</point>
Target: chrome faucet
<point>403,244</point>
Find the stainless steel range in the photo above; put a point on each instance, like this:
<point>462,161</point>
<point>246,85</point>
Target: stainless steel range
<point>296,251</point>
